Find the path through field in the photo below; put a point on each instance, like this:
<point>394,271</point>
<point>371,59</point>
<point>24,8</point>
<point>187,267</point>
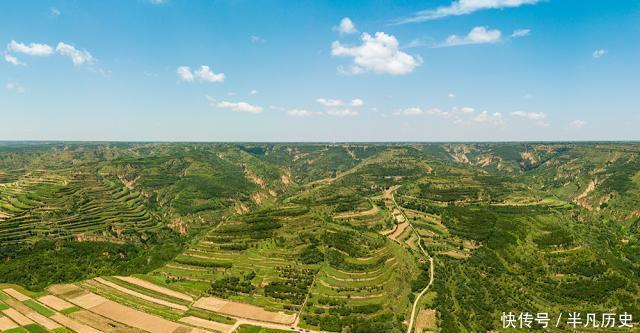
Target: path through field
<point>412,317</point>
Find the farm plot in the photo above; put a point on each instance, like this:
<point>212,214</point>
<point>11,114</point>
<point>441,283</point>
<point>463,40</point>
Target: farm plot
<point>361,282</point>
<point>121,313</point>
<point>243,310</point>
<point>76,206</point>
<point>243,260</point>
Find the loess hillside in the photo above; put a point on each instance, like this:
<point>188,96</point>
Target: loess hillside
<point>319,237</point>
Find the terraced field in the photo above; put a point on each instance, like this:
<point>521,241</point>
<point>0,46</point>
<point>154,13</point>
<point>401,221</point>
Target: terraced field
<point>40,205</point>
<point>326,238</point>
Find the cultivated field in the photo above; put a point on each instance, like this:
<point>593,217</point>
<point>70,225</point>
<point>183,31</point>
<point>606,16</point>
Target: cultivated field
<point>179,238</point>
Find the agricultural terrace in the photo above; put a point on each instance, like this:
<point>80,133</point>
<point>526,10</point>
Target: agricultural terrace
<point>268,238</point>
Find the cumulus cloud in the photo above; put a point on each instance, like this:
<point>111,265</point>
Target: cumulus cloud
<point>301,113</point>
<point>378,54</point>
<point>239,107</point>
<point>537,117</point>
<point>330,102</point>
<point>577,124</point>
<point>79,57</point>
<point>438,113</point>
<point>15,87</point>
<point>530,115</point>
<point>203,74</point>
<point>477,35</point>
<point>452,95</point>
<point>467,109</point>
<point>338,102</point>
<point>342,113</point>
<point>54,12</point>
<point>494,119</point>
<point>33,49</point>
<point>463,7</point>
<point>253,92</point>
<point>13,60</point>
<point>412,111</point>
<point>599,53</point>
<point>521,33</point>
<point>346,26</point>
<point>185,74</point>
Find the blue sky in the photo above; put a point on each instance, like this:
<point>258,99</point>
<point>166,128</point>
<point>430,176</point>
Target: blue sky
<point>312,70</point>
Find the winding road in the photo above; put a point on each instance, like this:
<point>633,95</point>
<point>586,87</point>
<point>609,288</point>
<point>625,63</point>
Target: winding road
<point>426,254</point>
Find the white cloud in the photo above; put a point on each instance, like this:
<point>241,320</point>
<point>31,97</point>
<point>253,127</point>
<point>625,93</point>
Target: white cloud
<point>53,11</point>
<point>452,95</point>
<point>578,124</point>
<point>15,87</point>
<point>79,57</point>
<point>301,113</point>
<point>467,109</point>
<point>158,2</point>
<point>494,119</point>
<point>413,111</point>
<point>537,117</point>
<point>530,115</point>
<point>438,113</point>
<point>253,92</point>
<point>477,35</point>
<point>599,53</point>
<point>337,102</point>
<point>33,49</point>
<point>239,107</point>
<point>203,74</point>
<point>379,54</point>
<point>13,60</point>
<point>330,102</point>
<point>342,113</point>
<point>463,7</point>
<point>185,74</point>
<point>346,27</point>
<point>521,33</point>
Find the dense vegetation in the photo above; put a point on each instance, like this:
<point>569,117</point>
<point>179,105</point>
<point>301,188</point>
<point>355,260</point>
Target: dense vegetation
<point>320,229</point>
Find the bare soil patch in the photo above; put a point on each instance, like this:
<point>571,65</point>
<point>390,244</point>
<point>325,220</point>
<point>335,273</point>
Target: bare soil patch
<point>155,287</point>
<point>100,323</point>
<point>42,320</point>
<point>7,324</point>
<point>399,230</point>
<point>55,302</point>
<point>426,321</point>
<point>207,324</point>
<point>243,310</point>
<point>73,325</point>
<point>134,318</point>
<point>456,254</point>
<point>17,317</point>
<point>66,290</point>
<point>16,294</point>
<point>141,295</point>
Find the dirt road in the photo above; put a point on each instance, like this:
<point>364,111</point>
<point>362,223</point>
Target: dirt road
<point>431,267</point>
